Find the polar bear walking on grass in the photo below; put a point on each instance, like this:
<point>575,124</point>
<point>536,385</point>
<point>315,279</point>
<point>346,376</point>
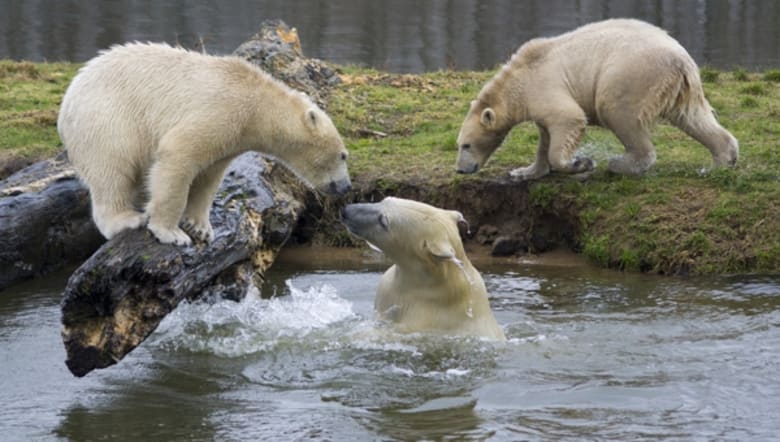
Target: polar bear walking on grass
<point>432,286</point>
<point>154,127</point>
<point>621,74</point>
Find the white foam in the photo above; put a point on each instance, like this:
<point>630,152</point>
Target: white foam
<point>227,328</point>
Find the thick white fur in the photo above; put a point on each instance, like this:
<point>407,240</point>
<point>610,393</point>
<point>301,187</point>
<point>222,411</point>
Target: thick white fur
<point>151,127</point>
<point>621,74</point>
<point>432,286</point>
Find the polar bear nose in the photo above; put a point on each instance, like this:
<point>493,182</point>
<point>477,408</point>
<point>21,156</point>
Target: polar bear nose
<point>339,187</point>
<point>470,169</point>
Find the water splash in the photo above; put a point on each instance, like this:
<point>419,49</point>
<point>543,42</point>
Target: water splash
<point>227,328</point>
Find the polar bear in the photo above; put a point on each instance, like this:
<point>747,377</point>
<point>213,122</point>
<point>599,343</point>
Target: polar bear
<point>621,74</point>
<point>432,286</point>
<point>153,124</point>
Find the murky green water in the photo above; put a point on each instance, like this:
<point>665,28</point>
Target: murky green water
<point>592,355</point>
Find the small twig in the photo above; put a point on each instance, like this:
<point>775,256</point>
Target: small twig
<point>364,132</point>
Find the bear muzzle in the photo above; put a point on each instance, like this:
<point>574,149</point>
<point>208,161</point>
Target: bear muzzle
<point>361,218</point>
<point>467,169</point>
<point>338,188</point>
<point>466,162</point>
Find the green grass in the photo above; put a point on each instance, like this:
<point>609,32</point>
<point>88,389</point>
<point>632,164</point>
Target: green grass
<point>30,95</point>
<point>772,75</point>
<point>709,75</point>
<point>679,217</point>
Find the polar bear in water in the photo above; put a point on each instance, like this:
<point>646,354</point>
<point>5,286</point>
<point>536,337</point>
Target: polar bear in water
<point>432,286</point>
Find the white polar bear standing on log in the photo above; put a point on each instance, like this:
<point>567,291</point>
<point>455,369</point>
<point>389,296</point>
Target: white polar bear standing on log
<point>621,74</point>
<point>432,286</point>
<point>148,125</point>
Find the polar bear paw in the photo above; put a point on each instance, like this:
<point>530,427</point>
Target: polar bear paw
<point>199,230</point>
<point>531,172</point>
<point>127,220</point>
<point>167,235</point>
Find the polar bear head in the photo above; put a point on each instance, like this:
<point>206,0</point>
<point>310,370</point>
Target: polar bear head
<point>319,155</point>
<point>485,127</point>
<point>408,232</point>
<point>432,286</point>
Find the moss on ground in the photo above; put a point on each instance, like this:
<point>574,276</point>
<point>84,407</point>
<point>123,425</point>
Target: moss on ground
<point>679,217</point>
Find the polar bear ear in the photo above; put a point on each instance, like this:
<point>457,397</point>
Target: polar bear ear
<point>439,250</point>
<point>311,118</point>
<point>488,117</point>
<point>460,220</point>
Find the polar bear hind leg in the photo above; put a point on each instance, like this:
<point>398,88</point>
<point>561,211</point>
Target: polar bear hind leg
<point>112,206</point>
<point>635,136</point>
<point>704,128</point>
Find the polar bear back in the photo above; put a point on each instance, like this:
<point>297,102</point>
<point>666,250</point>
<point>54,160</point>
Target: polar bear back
<point>140,102</point>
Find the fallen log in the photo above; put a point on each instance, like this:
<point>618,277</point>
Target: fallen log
<point>45,221</point>
<point>119,296</point>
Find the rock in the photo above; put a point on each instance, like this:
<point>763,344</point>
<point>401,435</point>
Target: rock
<point>506,246</point>
<point>539,243</point>
<point>486,234</point>
<point>277,49</point>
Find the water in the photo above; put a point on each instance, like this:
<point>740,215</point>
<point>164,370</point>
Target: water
<point>592,354</point>
<point>399,35</point>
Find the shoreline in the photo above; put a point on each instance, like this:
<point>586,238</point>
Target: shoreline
<point>680,218</point>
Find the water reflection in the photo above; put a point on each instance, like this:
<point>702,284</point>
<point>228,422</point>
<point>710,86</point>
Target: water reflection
<point>402,35</point>
<point>140,408</point>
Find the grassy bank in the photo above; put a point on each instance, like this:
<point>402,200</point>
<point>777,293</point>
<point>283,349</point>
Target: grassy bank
<point>677,218</point>
<point>402,128</point>
<point>30,95</point>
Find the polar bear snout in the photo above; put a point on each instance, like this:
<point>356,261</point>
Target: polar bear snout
<point>338,187</point>
<point>467,169</point>
<point>362,218</point>
<point>466,164</point>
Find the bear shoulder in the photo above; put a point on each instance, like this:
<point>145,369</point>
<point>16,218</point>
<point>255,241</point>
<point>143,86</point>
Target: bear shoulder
<point>531,52</point>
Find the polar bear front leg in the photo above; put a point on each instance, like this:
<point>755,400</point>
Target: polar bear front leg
<point>565,138</point>
<point>196,215</point>
<point>541,166</point>
<point>169,183</point>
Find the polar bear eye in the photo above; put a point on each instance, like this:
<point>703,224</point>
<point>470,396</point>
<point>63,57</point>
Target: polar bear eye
<point>343,156</point>
<point>466,146</point>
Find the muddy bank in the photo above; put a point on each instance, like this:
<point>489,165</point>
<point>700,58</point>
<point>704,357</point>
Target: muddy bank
<point>504,215</point>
